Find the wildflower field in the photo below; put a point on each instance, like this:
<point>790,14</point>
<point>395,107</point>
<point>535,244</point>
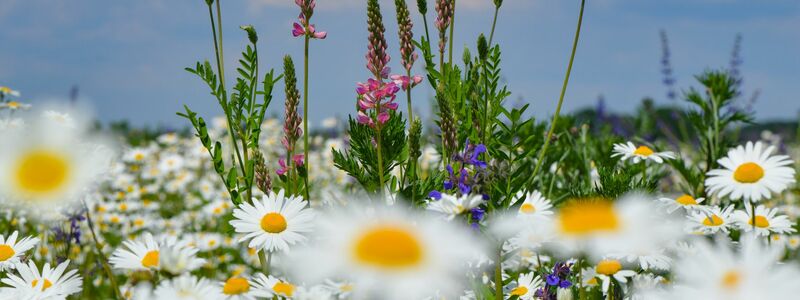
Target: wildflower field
<point>479,201</point>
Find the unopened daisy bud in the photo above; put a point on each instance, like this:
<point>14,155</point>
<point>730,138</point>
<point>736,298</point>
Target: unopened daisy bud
<point>422,6</point>
<point>483,47</point>
<point>406,35</point>
<point>209,2</point>
<point>262,179</point>
<point>251,33</point>
<point>498,3</point>
<point>377,58</point>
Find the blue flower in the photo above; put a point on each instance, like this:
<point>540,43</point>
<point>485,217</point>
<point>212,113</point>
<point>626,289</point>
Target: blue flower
<point>552,279</point>
<point>435,195</point>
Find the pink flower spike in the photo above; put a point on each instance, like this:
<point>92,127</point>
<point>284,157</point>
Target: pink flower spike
<point>364,119</point>
<point>417,79</point>
<point>321,35</point>
<point>391,105</point>
<point>298,30</point>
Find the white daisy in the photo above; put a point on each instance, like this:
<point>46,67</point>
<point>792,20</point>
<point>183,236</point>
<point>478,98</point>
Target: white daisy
<point>711,222</point>
<point>178,257</point>
<point>237,288</point>
<point>7,91</point>
<point>267,287</point>
<point>642,153</point>
<point>631,225</point>
<point>48,167</point>
<point>534,205</point>
<point>141,254</point>
<point>273,223</point>
<point>751,173</point>
<point>527,284</point>
<point>11,250</point>
<point>14,105</point>
<point>453,205</point>
<point>388,252</point>
<point>766,220</point>
<point>611,268</point>
<point>188,287</point>
<point>51,283</point>
<point>718,272</point>
<point>686,201</point>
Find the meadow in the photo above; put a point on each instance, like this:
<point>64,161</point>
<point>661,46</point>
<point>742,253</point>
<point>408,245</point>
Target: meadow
<point>481,201</point>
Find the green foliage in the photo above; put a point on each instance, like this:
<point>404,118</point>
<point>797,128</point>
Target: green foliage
<point>244,114</point>
<point>361,160</point>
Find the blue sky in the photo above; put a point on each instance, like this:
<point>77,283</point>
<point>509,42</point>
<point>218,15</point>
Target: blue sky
<point>127,57</point>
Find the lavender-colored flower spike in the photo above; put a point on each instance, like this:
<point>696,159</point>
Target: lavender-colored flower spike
<point>407,54</point>
<point>377,58</point>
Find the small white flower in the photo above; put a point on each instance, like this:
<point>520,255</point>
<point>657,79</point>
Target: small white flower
<point>452,205</point>
<point>11,249</point>
<point>642,153</point>
<point>273,223</point>
<point>527,284</point>
<point>766,220</point>
<point>751,173</point>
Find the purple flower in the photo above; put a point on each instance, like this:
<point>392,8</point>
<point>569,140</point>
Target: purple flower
<point>552,279</point>
<point>565,284</point>
<point>435,195</point>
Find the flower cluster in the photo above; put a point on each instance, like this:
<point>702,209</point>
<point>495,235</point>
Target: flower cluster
<point>558,278</point>
<point>378,96</point>
<point>302,27</point>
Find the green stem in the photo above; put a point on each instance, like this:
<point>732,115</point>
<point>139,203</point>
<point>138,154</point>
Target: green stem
<point>494,23</point>
<point>452,37</point>
<point>498,275</point>
<point>563,91</point>
<point>305,118</point>
<point>264,259</point>
<point>380,154</point>
<point>103,260</point>
<point>427,35</point>
<point>410,122</point>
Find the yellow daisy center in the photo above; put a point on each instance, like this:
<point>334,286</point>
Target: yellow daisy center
<point>273,223</point>
<point>761,221</point>
<point>236,286</point>
<point>47,284</point>
<point>283,288</point>
<point>686,200</point>
<point>748,173</point>
<point>731,279</point>
<point>388,247</point>
<point>6,252</point>
<point>13,104</point>
<point>592,281</point>
<point>608,267</point>
<point>138,156</point>
<point>519,291</point>
<point>643,151</point>
<point>713,220</point>
<point>588,217</point>
<point>42,171</point>
<point>346,288</point>
<point>527,208</point>
<point>150,260</point>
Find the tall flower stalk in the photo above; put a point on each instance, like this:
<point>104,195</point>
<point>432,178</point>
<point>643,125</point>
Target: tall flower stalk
<point>497,5</point>
<point>444,16</point>
<point>376,97</point>
<point>407,57</point>
<point>563,91</point>
<point>422,7</point>
<point>291,128</point>
<point>308,31</point>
